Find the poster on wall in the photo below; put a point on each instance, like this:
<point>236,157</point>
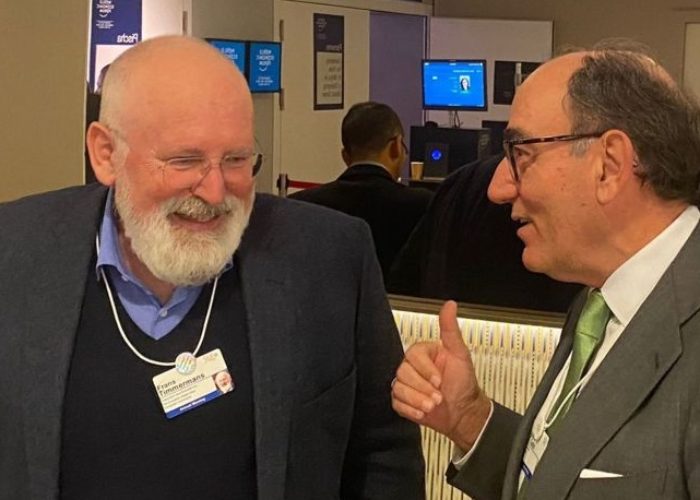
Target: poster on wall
<point>329,43</point>
<point>507,76</point>
<point>115,26</point>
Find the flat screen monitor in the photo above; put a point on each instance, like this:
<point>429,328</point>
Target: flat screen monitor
<point>447,149</point>
<point>265,66</point>
<point>454,84</point>
<point>236,50</point>
<point>496,127</point>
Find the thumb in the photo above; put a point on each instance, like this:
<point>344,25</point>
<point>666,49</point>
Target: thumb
<point>450,334</point>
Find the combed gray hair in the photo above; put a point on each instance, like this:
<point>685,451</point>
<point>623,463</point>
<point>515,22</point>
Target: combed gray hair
<point>621,87</point>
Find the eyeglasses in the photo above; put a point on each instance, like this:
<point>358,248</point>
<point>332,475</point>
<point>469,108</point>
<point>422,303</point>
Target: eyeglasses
<point>191,170</point>
<point>509,147</point>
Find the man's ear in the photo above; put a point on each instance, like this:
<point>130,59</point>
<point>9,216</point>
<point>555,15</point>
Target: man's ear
<point>101,147</point>
<point>395,148</point>
<point>346,157</point>
<point>617,167</point>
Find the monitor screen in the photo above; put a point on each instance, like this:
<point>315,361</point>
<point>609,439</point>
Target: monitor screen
<point>453,146</point>
<point>265,68</point>
<point>496,127</point>
<point>454,84</point>
<point>233,49</point>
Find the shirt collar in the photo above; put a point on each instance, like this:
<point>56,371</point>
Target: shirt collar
<point>364,169</point>
<point>368,162</point>
<point>629,286</point>
<point>108,254</point>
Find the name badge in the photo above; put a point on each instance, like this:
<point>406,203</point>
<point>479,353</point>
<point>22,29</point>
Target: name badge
<point>180,393</point>
<point>536,446</point>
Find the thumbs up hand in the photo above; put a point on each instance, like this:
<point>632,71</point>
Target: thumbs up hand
<point>436,385</point>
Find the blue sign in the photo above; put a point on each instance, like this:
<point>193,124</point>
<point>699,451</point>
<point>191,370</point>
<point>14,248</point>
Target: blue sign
<point>235,50</point>
<point>265,66</point>
<point>114,23</point>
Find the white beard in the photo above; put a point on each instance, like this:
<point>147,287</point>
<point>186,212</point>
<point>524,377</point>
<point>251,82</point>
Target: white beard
<point>174,254</point>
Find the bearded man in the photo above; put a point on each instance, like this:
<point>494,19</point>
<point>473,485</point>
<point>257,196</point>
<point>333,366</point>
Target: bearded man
<point>123,300</point>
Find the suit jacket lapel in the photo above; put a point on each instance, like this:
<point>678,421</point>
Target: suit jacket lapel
<point>51,319</point>
<point>645,352</point>
<point>266,293</point>
<point>510,487</point>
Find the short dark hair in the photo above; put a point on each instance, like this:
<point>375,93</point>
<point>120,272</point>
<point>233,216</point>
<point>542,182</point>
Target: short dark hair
<point>368,127</point>
<point>623,88</point>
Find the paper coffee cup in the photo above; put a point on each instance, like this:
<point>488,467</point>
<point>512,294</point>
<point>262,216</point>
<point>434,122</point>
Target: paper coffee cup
<point>416,170</point>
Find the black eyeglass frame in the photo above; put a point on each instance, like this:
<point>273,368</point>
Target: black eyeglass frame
<point>509,145</point>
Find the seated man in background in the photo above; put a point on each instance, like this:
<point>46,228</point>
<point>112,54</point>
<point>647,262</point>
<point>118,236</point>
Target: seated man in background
<point>122,300</point>
<point>374,150</point>
<point>466,249</point>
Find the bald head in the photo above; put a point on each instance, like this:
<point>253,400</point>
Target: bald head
<point>170,73</point>
<point>543,94</point>
<point>172,97</point>
<point>555,72</point>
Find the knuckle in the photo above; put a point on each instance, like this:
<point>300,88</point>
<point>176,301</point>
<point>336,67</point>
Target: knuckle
<point>416,351</point>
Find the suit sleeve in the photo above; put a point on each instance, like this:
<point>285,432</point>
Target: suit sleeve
<point>483,475</point>
<point>384,458</point>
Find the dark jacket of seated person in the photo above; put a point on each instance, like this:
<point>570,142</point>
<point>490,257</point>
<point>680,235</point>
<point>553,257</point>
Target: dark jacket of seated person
<point>466,249</point>
<point>374,151</point>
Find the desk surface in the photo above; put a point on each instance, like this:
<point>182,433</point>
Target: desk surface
<point>429,183</point>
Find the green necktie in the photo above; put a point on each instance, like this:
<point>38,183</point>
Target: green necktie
<point>590,330</point>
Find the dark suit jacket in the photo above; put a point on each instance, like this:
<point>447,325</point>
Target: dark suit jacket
<point>323,345</point>
<point>466,249</point>
<point>369,192</point>
<point>638,416</point>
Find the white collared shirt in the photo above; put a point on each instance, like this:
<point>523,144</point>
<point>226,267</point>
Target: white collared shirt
<point>624,292</point>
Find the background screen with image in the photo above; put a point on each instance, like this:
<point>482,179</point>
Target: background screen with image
<point>265,66</point>
<point>233,49</point>
<point>454,84</point>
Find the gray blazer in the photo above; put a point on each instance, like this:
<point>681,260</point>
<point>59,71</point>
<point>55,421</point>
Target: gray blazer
<point>638,416</point>
<point>323,344</point>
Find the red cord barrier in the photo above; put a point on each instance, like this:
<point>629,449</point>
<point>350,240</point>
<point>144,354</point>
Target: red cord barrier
<point>302,184</point>
<point>284,183</point>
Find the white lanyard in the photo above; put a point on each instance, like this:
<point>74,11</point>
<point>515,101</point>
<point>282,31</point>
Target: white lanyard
<point>547,422</point>
<point>185,361</point>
